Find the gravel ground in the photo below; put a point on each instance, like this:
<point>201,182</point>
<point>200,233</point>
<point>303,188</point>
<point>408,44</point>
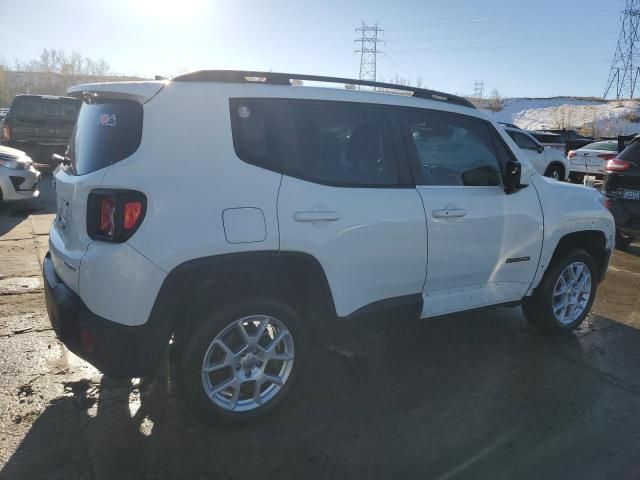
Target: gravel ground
<point>474,395</point>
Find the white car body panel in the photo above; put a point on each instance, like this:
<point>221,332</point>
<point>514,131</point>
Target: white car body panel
<point>372,243</point>
<point>28,188</point>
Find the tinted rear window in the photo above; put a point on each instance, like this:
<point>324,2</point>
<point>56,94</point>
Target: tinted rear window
<point>40,108</point>
<point>105,134</point>
<point>609,147</point>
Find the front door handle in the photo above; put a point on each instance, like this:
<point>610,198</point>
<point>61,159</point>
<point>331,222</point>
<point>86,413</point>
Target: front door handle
<point>449,213</point>
<point>313,216</point>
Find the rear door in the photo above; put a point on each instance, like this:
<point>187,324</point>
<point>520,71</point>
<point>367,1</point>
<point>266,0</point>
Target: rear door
<point>106,132</point>
<point>347,199</point>
<point>484,244</point>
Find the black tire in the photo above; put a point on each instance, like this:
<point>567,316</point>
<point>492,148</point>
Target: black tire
<point>577,178</point>
<point>623,241</point>
<point>556,172</point>
<point>538,309</point>
<point>190,376</point>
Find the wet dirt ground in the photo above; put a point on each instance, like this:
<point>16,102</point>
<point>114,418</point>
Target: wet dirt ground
<point>474,395</point>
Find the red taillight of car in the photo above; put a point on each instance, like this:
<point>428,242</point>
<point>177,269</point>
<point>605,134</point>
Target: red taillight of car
<point>132,212</point>
<point>5,135</point>
<point>114,215</point>
<point>608,202</point>
<point>607,156</point>
<point>107,214</point>
<point>571,154</point>
<point>617,165</point>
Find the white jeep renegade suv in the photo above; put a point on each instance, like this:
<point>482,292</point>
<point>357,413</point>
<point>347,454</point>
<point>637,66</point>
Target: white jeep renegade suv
<point>236,214</point>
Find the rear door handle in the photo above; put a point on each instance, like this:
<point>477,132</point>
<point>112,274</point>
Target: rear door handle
<point>316,216</point>
<point>449,213</point>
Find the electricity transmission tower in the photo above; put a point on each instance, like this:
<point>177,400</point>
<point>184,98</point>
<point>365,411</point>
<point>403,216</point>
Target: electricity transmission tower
<point>368,50</point>
<point>478,89</point>
<point>625,67</point>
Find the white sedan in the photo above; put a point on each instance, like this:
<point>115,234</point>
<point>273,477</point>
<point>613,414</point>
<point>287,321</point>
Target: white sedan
<point>18,178</point>
<point>592,159</point>
<point>550,162</point>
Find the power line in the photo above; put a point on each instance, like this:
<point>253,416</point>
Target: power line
<point>625,66</point>
<point>368,50</point>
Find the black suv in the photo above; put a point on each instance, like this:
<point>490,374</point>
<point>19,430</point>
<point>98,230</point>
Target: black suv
<point>572,139</point>
<point>622,189</point>
<point>40,125</point>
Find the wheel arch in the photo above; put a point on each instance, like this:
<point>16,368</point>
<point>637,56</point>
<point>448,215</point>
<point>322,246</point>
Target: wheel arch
<point>293,277</point>
<point>593,242</point>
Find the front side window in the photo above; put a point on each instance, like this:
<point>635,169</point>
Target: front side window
<point>341,144</point>
<point>452,150</point>
<point>523,141</point>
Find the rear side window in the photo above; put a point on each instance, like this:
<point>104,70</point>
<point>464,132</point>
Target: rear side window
<point>38,109</point>
<point>342,144</point>
<point>105,133</point>
<point>452,149</point>
<point>254,129</point>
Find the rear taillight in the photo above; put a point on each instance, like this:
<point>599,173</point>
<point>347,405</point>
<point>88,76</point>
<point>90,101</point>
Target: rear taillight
<point>5,135</point>
<point>571,154</point>
<point>607,156</point>
<point>114,215</point>
<point>107,216</point>
<point>617,165</point>
<point>608,202</point>
<point>132,212</point>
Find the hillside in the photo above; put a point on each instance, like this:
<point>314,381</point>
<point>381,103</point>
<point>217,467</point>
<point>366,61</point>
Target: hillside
<point>612,117</point>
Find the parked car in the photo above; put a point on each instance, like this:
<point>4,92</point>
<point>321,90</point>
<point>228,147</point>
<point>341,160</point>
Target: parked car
<point>572,139</point>
<point>548,162</point>
<point>297,206</point>
<point>40,125</point>
<point>622,188</point>
<point>18,178</point>
<point>550,140</point>
<point>591,159</point>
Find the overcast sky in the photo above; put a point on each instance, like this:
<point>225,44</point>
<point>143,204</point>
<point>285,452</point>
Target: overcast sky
<point>532,48</point>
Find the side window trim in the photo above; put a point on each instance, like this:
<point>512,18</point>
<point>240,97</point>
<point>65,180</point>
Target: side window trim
<point>412,152</point>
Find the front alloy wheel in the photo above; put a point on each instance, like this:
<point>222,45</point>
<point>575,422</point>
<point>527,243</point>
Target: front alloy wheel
<point>572,293</point>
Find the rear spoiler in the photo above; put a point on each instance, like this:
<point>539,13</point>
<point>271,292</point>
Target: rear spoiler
<point>140,92</point>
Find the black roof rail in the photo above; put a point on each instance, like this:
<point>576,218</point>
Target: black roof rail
<point>275,78</point>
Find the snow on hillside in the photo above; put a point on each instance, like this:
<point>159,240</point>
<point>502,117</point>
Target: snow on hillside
<point>612,117</point>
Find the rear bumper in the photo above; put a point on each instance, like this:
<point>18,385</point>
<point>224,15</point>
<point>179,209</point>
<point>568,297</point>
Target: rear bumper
<point>114,349</point>
<point>623,213</point>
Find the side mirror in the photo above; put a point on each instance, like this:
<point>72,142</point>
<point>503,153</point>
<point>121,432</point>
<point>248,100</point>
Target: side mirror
<point>512,173</point>
<point>540,149</point>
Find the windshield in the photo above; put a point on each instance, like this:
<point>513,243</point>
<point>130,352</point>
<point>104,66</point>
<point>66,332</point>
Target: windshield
<point>105,134</point>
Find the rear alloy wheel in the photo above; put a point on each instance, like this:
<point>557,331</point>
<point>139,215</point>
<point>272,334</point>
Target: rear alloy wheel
<point>565,295</point>
<point>240,364</point>
<point>623,240</point>
<point>554,172</point>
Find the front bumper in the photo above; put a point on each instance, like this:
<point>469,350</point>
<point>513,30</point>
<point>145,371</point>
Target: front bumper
<point>114,349</point>
<point>19,184</point>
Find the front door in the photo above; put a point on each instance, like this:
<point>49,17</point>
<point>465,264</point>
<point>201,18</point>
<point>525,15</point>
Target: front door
<point>484,244</point>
